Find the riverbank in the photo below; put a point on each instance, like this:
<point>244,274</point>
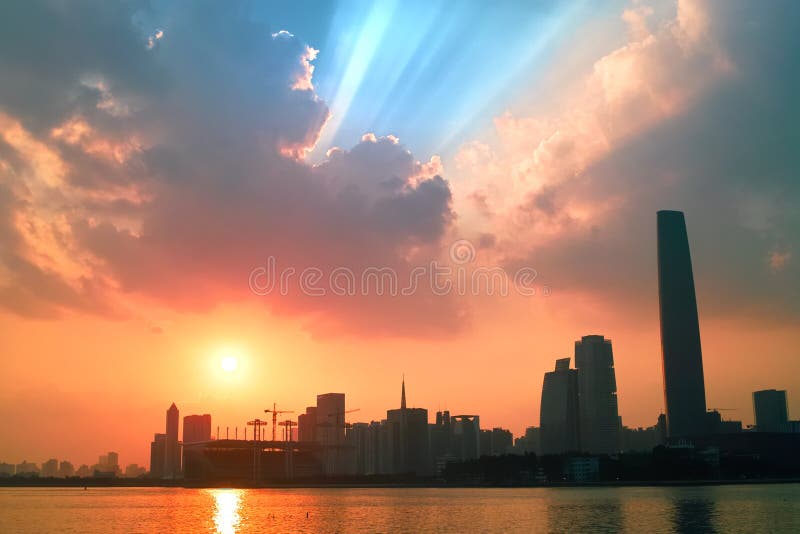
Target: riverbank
<point>17,482</point>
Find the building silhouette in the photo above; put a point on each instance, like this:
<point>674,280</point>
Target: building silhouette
<point>172,452</point>
<point>530,442</point>
<point>306,423</point>
<point>49,468</point>
<point>558,415</point>
<point>197,428</point>
<point>158,453</point>
<point>715,424</point>
<point>408,438</point>
<point>66,469</point>
<point>598,414</point>
<point>465,439</point>
<point>329,431</point>
<point>112,461</point>
<point>441,433</point>
<point>365,440</point>
<point>770,409</point>
<point>684,387</point>
<point>496,442</point>
<point>330,414</point>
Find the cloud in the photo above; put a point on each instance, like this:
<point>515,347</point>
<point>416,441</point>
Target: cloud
<point>164,161</point>
<point>683,116</point>
<point>779,260</point>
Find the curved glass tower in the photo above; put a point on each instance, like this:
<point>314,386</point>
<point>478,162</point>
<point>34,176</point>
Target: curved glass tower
<point>684,387</point>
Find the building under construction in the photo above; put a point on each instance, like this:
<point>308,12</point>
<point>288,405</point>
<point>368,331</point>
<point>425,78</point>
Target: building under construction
<point>253,461</point>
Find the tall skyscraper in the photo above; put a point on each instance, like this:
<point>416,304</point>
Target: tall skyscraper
<point>558,414</point>
<point>682,359</point>
<point>770,409</point>
<point>172,452</point>
<point>408,438</point>
<point>598,413</point>
<point>197,428</point>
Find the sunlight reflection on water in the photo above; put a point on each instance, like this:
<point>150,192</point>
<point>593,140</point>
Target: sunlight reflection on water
<point>740,508</point>
<point>226,509</point>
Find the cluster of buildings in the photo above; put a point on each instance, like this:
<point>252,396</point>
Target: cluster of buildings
<point>324,444</point>
<point>107,466</point>
<point>579,409</point>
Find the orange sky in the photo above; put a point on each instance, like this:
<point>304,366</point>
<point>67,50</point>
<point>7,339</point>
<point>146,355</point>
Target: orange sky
<point>142,182</point>
<point>75,399</point>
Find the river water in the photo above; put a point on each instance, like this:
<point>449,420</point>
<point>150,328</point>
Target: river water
<point>744,508</point>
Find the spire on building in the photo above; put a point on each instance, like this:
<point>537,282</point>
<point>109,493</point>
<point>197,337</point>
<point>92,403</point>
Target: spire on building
<point>403,394</point>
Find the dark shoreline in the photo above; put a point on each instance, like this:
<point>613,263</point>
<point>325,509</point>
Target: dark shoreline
<point>134,483</point>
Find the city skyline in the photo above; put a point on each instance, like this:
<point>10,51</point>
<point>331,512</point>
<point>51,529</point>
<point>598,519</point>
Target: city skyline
<point>149,175</point>
<point>578,412</point>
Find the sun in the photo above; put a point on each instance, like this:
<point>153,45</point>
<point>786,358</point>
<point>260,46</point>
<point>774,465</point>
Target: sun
<point>229,364</point>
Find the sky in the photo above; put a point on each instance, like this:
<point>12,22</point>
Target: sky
<point>185,182</point>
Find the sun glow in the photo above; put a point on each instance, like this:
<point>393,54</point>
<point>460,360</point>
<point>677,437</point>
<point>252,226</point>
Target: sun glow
<point>229,364</point>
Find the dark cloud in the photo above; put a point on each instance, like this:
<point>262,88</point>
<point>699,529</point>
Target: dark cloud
<point>180,168</point>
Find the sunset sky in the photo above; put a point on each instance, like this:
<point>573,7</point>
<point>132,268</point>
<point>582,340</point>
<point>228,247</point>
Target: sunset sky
<point>153,158</point>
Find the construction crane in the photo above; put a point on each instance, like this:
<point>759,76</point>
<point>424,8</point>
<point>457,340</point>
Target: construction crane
<point>257,424</point>
<point>287,429</point>
<point>275,411</point>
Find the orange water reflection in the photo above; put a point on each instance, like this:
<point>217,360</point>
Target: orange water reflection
<point>226,509</point>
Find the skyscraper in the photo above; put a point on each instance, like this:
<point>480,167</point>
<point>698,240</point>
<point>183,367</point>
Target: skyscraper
<point>158,451</point>
<point>558,415</point>
<point>770,409</point>
<point>408,438</point>
<point>598,413</point>
<point>684,387</point>
<point>172,452</point>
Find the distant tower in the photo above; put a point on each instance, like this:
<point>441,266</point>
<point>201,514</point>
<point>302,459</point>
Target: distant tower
<point>558,416</point>
<point>598,413</point>
<point>407,438</point>
<point>682,359</point>
<point>172,453</point>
